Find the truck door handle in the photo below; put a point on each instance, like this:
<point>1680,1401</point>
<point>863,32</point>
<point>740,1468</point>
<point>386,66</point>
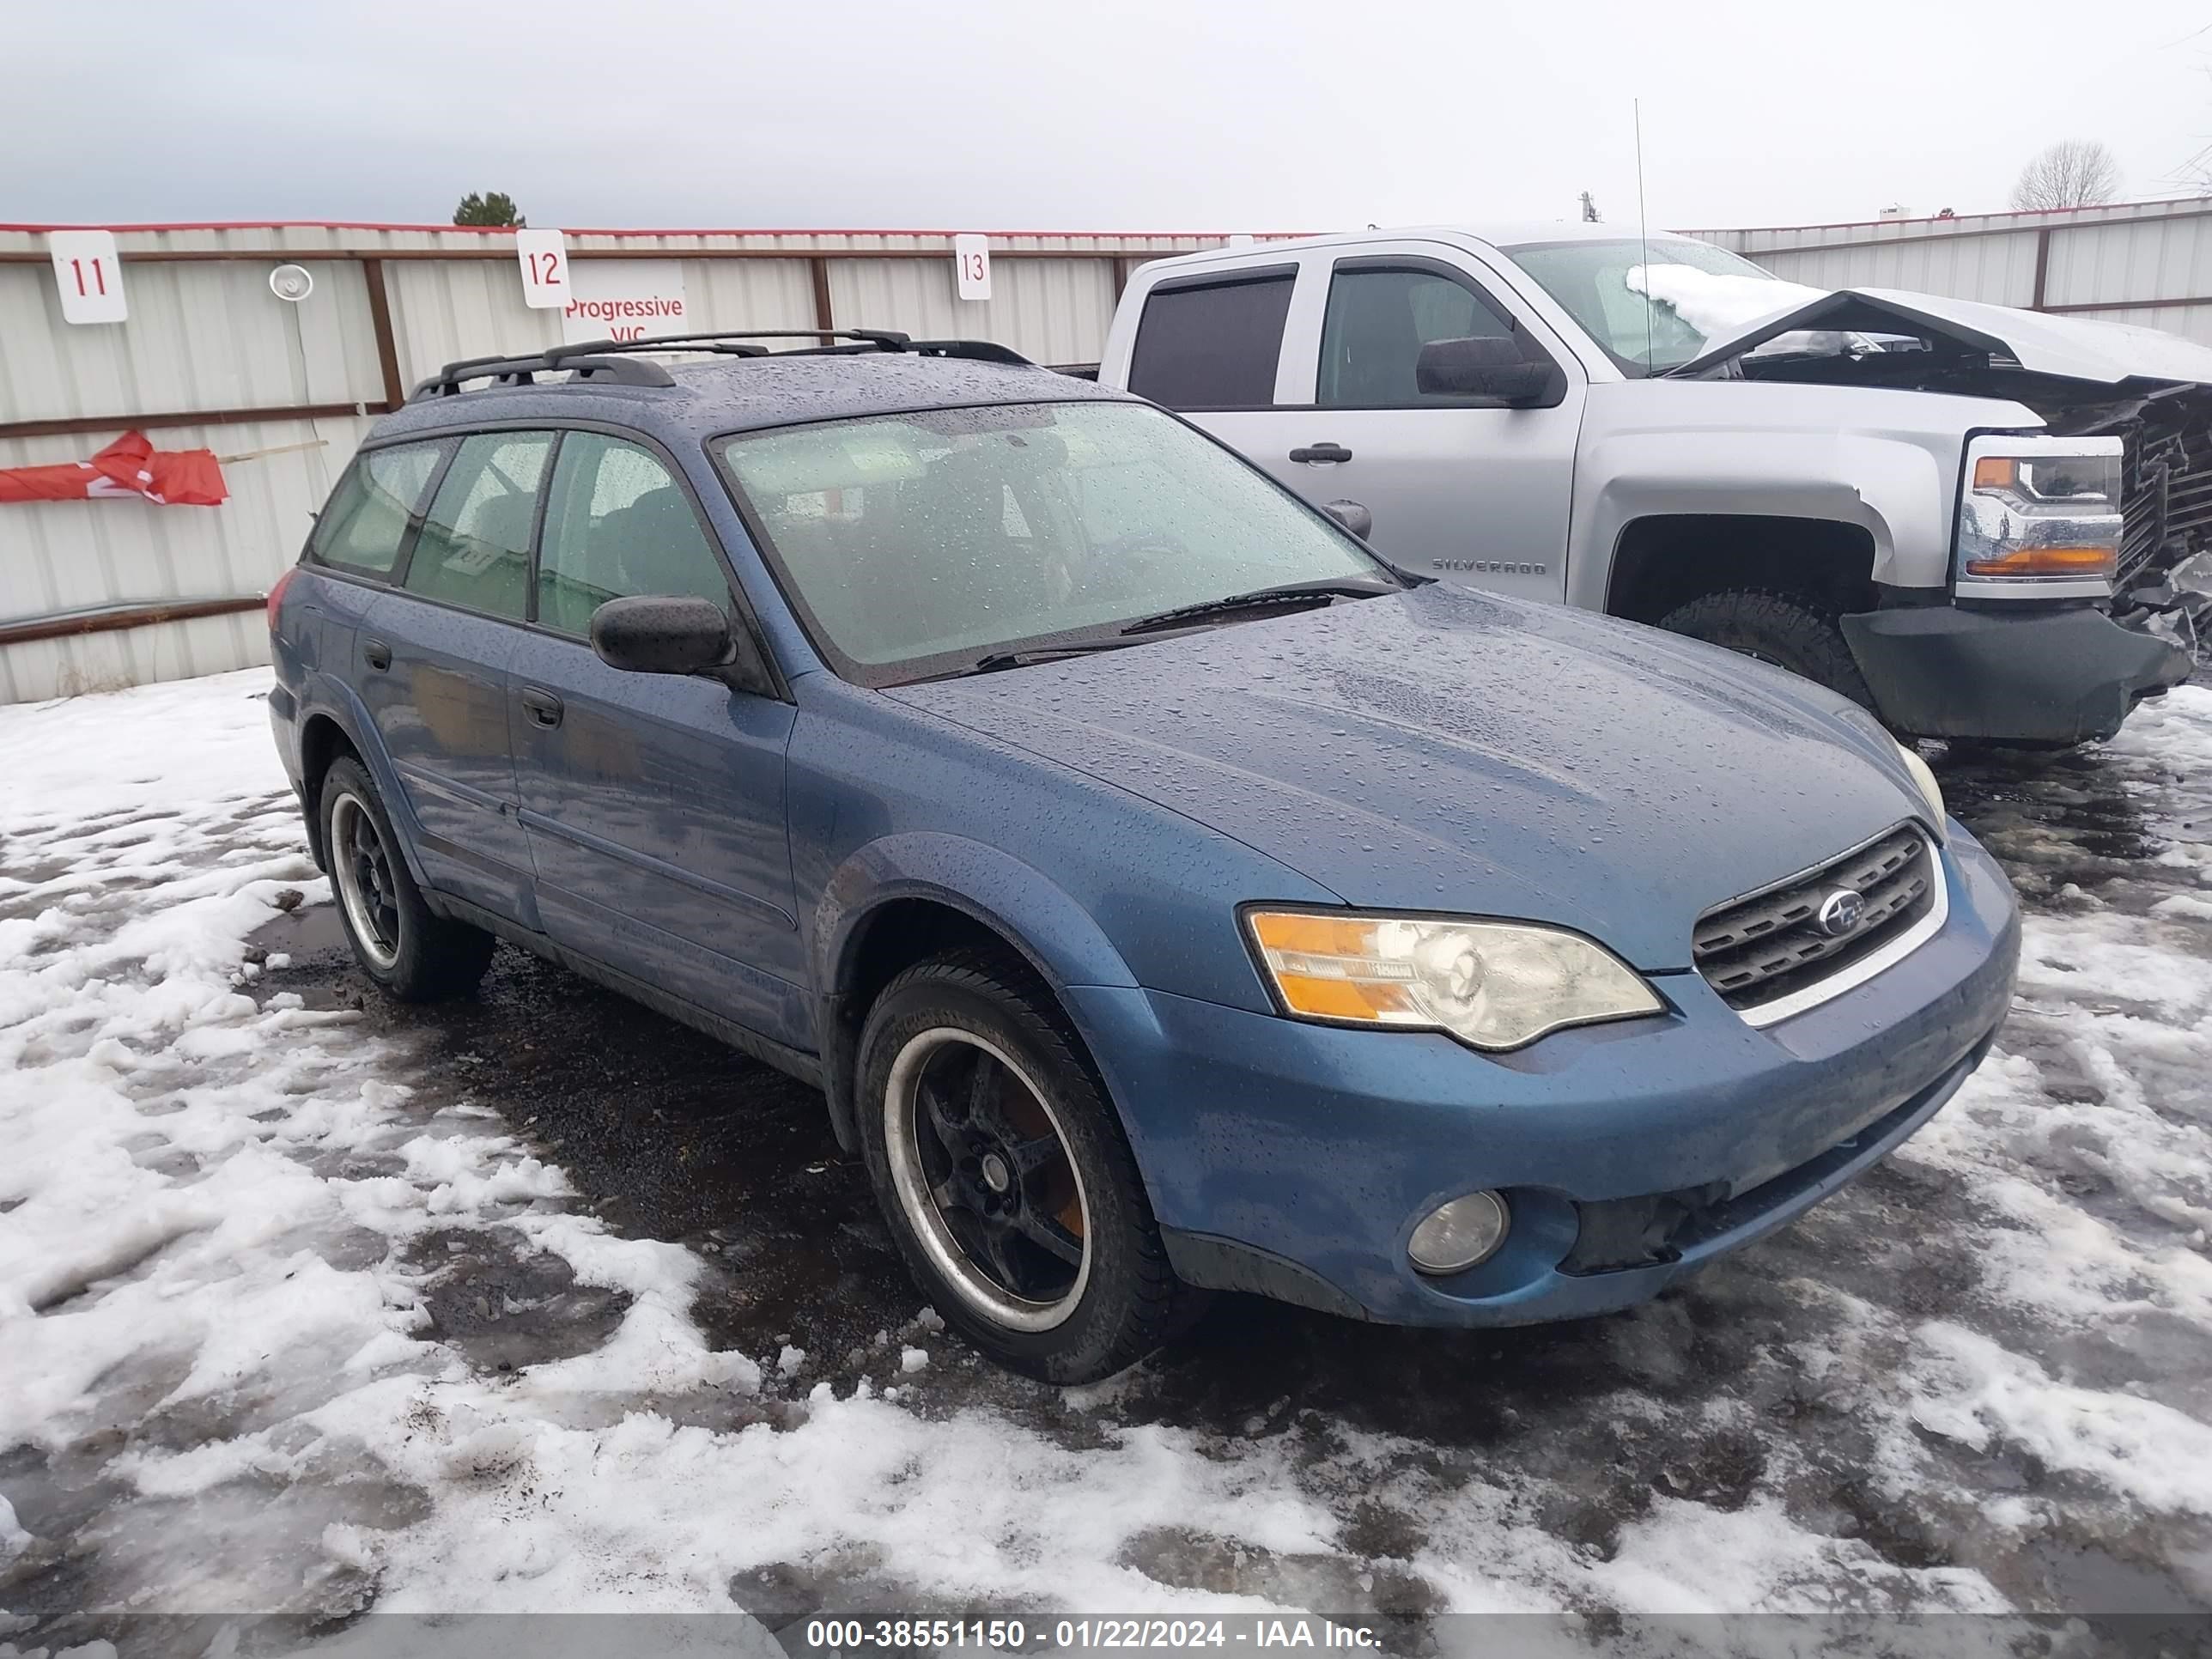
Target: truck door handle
<point>543,707</point>
<point>1321,453</point>
<point>376,654</point>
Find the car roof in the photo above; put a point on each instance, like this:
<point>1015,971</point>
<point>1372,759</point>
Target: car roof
<point>1504,235</point>
<point>745,394</point>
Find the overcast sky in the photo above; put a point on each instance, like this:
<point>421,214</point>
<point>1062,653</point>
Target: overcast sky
<point>1061,114</point>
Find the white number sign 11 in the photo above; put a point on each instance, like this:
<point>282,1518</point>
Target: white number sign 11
<point>88,275</point>
<point>971,259</point>
<point>544,261</point>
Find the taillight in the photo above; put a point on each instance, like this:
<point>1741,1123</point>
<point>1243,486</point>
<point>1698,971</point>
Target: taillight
<point>276,594</point>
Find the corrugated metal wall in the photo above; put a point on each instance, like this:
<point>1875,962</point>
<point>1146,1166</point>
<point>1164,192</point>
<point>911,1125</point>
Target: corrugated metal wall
<point>206,334</point>
<point>2145,263</point>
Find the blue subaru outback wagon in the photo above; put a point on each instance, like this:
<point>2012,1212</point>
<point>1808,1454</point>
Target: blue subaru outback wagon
<point>1165,892</point>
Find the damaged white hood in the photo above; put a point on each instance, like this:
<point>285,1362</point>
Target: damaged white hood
<point>2071,347</point>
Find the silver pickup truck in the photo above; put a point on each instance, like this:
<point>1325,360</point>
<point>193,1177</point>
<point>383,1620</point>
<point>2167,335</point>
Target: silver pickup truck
<point>1964,517</point>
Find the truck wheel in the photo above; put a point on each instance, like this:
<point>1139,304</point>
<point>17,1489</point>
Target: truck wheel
<point>415,955</point>
<point>1002,1170</point>
<point>1786,629</point>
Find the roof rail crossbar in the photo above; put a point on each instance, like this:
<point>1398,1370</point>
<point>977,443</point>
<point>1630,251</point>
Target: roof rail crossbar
<point>882,339</point>
<point>522,371</point>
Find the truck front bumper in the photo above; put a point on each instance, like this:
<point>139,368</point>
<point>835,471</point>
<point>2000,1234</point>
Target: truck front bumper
<point>2039,676</point>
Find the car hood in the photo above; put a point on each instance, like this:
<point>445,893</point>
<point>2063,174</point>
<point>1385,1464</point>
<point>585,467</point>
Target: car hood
<point>1446,750</point>
<point>2073,347</point>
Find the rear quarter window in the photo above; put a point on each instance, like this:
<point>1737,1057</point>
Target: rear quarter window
<point>366,520</point>
<point>1211,345</point>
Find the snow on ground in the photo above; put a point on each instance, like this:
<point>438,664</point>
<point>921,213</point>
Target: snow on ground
<point>223,1216</point>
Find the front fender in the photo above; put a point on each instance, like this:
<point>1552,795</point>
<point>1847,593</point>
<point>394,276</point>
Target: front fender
<point>1021,904</point>
<point>1017,900</point>
<point>1894,491</point>
<point>1884,461</point>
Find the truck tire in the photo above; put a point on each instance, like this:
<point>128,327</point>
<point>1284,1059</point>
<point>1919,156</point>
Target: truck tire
<point>1790,630</point>
<point>1004,1177</point>
<point>413,954</point>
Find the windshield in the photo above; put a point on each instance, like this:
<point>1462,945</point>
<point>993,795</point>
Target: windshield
<point>912,543</point>
<point>1697,291</point>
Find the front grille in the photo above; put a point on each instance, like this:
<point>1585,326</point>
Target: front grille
<point>2166,490</point>
<point>1769,943</point>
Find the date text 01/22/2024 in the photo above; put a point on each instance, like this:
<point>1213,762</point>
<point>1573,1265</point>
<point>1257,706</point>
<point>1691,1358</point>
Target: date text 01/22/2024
<point>1020,1636</point>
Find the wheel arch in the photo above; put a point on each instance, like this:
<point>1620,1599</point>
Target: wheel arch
<point>1662,561</point>
<point>900,900</point>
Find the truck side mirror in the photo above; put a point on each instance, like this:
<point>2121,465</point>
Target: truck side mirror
<point>1486,366</point>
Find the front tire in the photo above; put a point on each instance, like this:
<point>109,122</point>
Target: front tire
<point>413,954</point>
<point>1789,630</point>
<point>1002,1170</point>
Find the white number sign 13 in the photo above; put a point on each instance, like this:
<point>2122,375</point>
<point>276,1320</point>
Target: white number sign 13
<point>544,261</point>
<point>88,275</point>
<point>971,260</point>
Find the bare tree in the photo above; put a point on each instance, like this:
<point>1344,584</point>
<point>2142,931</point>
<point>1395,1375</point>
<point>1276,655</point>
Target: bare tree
<point>2073,173</point>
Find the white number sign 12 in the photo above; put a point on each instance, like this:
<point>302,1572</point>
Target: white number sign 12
<point>88,275</point>
<point>544,261</point>
<point>971,261</point>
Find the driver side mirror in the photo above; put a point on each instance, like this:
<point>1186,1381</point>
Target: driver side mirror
<point>1487,366</point>
<point>653,633</point>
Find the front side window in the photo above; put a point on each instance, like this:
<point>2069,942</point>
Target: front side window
<point>617,525</point>
<point>1376,323</point>
<point>474,547</point>
<point>1211,345</point>
<point>912,543</point>
<point>362,527</point>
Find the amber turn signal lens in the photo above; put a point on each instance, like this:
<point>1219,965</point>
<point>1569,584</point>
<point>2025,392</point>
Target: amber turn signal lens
<point>2047,561</point>
<point>1994,472</point>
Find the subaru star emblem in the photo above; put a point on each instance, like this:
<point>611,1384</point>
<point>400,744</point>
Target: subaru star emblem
<point>1839,913</point>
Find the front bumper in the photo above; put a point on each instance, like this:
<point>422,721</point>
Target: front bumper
<point>2032,676</point>
<point>1295,1159</point>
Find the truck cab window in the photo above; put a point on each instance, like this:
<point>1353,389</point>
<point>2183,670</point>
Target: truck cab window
<point>1376,323</point>
<point>1211,345</point>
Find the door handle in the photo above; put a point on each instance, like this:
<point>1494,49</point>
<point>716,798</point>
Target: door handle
<point>1321,453</point>
<point>543,707</point>
<point>376,654</point>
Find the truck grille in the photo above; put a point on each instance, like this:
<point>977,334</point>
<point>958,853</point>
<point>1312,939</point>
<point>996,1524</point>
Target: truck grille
<point>1766,945</point>
<point>2166,490</point>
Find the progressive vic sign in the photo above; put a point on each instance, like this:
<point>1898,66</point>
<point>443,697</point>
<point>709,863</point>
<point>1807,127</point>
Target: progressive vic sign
<point>600,298</point>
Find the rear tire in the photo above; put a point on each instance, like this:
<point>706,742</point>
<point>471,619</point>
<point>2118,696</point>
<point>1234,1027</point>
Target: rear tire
<point>1002,1170</point>
<point>1790,630</point>
<point>415,955</point>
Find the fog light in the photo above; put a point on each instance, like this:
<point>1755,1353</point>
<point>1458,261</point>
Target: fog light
<point>1460,1234</point>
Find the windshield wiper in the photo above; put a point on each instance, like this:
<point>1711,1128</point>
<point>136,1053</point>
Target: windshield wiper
<point>998,660</point>
<point>1285,596</point>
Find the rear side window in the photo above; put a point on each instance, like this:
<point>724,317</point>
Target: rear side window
<point>1211,345</point>
<point>616,525</point>
<point>1378,322</point>
<point>361,528</point>
<point>474,548</point>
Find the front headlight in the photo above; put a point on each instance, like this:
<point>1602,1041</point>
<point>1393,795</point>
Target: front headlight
<point>1492,985</point>
<point>2038,517</point>
<point>1930,791</point>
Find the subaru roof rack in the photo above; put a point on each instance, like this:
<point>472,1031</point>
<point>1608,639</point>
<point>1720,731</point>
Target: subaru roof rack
<point>609,362</point>
<point>522,371</point>
<point>738,343</point>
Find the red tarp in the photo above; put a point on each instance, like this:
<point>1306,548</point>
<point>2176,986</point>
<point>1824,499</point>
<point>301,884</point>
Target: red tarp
<point>129,466</point>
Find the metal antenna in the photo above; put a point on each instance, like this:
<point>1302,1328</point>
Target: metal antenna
<point>1642,232</point>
